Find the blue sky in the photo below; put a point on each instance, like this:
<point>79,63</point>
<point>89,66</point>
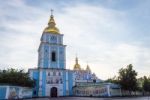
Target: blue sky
<point>108,34</point>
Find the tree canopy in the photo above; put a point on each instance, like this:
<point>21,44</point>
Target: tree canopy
<point>15,77</point>
<point>113,80</point>
<point>127,78</point>
<point>128,81</point>
<point>146,84</point>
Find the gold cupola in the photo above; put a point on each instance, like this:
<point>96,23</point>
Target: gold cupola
<point>51,28</point>
<point>77,65</point>
<point>88,68</point>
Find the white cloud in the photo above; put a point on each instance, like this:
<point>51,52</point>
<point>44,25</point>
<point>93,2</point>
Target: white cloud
<point>95,33</point>
<point>87,32</point>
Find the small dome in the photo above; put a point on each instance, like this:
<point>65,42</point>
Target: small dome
<point>77,66</point>
<point>88,68</point>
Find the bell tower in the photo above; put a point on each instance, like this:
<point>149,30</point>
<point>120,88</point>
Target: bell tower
<point>52,52</point>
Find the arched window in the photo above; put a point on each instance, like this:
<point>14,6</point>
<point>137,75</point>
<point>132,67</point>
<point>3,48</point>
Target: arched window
<point>54,73</point>
<point>59,74</point>
<point>49,74</point>
<point>53,56</point>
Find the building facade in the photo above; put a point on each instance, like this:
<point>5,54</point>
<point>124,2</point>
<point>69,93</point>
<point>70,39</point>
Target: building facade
<point>51,76</point>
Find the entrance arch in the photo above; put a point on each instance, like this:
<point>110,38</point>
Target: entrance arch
<point>53,92</point>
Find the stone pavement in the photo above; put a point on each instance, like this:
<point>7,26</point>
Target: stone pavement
<point>89,98</point>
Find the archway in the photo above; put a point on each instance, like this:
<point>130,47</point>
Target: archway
<point>53,92</point>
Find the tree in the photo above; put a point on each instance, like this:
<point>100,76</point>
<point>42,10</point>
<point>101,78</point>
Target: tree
<point>113,80</point>
<point>140,84</point>
<point>15,77</point>
<point>146,84</point>
<point>127,78</point>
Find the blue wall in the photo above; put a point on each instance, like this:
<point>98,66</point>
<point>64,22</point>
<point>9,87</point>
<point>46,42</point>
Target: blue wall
<point>35,74</point>
<point>2,92</point>
<point>61,58</point>
<point>70,77</point>
<point>46,55</point>
<point>64,83</point>
<point>43,82</point>
<point>36,78</point>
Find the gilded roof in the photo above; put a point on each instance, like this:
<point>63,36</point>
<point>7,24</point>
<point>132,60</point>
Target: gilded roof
<point>51,28</point>
<point>88,68</point>
<point>77,65</point>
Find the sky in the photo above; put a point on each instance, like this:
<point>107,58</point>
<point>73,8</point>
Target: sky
<point>105,34</point>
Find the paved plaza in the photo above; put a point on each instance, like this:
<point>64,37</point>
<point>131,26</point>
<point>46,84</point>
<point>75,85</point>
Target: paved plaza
<point>86,98</point>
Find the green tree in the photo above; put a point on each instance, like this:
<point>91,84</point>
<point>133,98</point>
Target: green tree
<point>15,77</point>
<point>113,80</point>
<point>146,84</point>
<point>127,78</point>
<point>140,84</point>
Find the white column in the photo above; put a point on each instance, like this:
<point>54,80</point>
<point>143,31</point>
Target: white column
<point>7,92</point>
<point>20,92</point>
<point>120,92</point>
<point>108,90</point>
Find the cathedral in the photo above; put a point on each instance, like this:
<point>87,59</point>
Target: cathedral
<point>51,76</point>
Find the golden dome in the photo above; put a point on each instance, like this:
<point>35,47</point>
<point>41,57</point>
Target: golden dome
<point>88,68</point>
<point>77,66</point>
<point>51,28</point>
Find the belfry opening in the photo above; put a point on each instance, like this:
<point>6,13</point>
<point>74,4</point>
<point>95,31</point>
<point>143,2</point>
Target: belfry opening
<point>53,56</point>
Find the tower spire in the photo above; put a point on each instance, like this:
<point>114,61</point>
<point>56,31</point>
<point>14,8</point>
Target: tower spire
<point>51,20</point>
<point>88,67</point>
<point>76,60</point>
<point>51,28</point>
<point>77,65</point>
<point>52,12</point>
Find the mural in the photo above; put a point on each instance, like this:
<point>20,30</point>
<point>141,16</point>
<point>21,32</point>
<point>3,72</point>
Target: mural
<point>13,93</point>
<point>26,93</point>
<point>91,91</point>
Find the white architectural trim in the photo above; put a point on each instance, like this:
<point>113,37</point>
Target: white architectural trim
<point>7,92</point>
<point>58,57</point>
<point>108,90</point>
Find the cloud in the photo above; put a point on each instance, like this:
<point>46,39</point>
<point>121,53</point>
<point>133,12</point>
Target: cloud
<point>103,37</point>
<point>106,38</point>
